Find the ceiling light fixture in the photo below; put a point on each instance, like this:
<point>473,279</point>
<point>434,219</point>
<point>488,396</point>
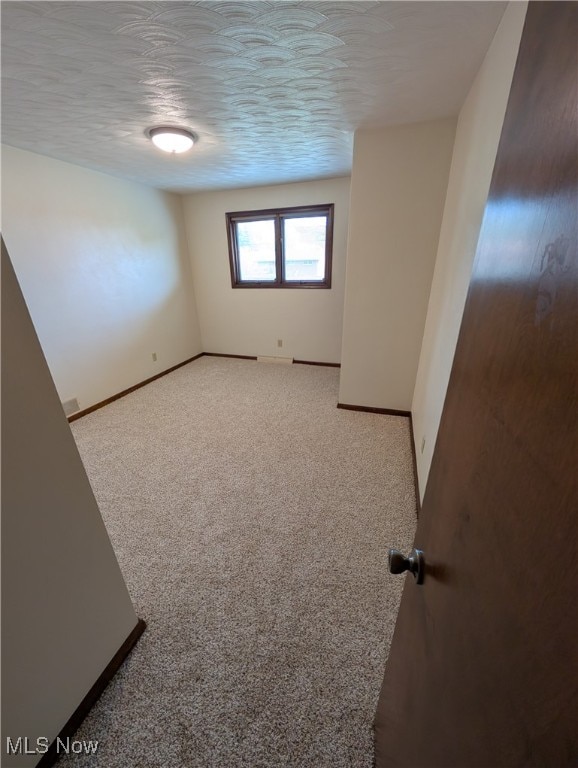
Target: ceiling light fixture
<point>174,140</point>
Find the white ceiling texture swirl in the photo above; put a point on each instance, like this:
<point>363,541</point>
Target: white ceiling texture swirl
<point>273,90</point>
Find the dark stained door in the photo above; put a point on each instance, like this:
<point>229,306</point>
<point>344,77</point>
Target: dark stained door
<point>483,666</point>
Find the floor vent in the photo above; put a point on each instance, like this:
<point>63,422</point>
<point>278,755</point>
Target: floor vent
<point>284,360</point>
<point>70,406</point>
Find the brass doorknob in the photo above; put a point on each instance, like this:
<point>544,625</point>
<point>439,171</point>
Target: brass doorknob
<point>415,563</point>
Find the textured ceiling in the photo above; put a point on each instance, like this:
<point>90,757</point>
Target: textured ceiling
<point>274,90</point>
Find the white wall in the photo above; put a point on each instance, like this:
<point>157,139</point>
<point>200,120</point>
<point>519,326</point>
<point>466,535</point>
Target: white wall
<point>398,187</point>
<point>250,321</point>
<point>65,607</point>
<point>104,268</point>
<point>478,133</point>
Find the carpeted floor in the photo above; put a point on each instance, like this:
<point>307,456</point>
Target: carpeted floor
<point>251,519</point>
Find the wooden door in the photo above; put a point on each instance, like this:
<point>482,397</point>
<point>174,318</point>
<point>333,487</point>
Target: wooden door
<point>483,666</point>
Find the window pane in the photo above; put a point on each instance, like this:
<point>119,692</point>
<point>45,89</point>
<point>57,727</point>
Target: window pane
<point>256,246</point>
<point>304,247</point>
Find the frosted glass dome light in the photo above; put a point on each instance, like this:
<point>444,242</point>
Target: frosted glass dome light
<point>174,140</point>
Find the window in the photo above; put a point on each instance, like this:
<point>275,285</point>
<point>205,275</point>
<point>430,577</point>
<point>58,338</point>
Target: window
<point>281,247</point>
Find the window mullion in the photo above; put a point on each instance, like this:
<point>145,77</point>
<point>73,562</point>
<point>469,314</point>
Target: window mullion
<point>279,250</point>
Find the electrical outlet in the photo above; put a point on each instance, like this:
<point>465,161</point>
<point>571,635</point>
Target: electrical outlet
<point>279,342</point>
<point>154,357</point>
<point>422,444</point>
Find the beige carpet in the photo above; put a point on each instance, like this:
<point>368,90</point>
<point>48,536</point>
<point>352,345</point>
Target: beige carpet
<point>251,519</point>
